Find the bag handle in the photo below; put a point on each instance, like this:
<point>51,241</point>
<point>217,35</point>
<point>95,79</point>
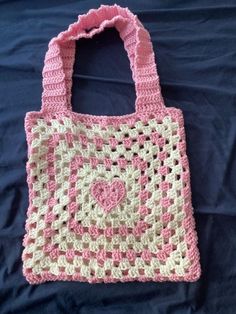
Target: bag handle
<point>59,59</point>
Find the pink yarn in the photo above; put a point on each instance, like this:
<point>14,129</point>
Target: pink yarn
<point>61,53</point>
<point>107,195</point>
<point>149,105</point>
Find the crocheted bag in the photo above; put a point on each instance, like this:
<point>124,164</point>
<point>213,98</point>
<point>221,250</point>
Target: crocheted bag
<point>109,197</point>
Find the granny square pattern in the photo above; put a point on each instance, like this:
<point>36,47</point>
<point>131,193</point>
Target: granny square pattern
<point>109,197</point>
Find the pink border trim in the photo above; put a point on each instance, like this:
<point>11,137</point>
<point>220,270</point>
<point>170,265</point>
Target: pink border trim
<point>189,223</point>
<point>46,276</point>
<point>104,121</point>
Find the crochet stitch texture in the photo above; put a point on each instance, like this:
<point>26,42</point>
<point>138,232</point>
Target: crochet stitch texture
<point>109,197</point>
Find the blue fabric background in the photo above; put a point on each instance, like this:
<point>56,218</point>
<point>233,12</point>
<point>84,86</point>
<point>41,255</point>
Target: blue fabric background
<point>195,48</point>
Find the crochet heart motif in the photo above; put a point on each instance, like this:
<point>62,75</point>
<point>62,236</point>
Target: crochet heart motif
<point>108,195</point>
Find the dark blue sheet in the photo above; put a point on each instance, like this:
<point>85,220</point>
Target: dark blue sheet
<point>195,45</point>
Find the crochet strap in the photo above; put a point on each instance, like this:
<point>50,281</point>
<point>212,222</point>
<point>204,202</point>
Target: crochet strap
<point>59,59</point>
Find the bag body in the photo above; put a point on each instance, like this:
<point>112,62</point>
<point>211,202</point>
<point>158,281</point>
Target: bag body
<point>109,196</point>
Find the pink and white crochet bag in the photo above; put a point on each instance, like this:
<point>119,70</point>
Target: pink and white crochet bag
<point>109,197</point>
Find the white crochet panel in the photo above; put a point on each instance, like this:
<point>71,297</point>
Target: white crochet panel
<point>137,232</point>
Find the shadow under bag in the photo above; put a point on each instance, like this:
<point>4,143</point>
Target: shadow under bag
<point>109,197</point>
